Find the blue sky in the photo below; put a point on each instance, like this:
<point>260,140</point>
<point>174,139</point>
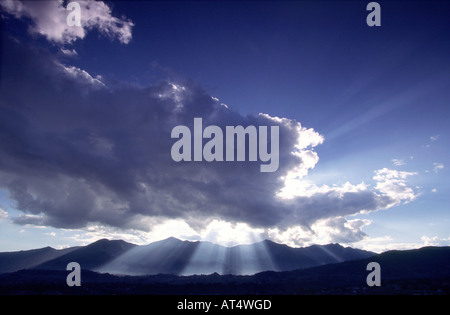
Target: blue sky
<point>375,100</point>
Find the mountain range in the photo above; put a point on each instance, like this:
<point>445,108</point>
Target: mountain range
<point>176,257</point>
<point>417,271</point>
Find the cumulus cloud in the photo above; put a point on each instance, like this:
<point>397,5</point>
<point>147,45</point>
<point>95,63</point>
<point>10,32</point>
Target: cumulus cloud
<point>392,184</point>
<point>50,20</point>
<point>76,152</point>
<point>323,231</point>
<point>314,202</point>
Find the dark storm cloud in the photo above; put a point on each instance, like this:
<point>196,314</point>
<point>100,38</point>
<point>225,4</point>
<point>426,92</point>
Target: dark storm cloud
<point>74,150</point>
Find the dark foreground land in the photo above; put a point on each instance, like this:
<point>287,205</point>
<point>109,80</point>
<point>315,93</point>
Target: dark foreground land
<point>423,271</point>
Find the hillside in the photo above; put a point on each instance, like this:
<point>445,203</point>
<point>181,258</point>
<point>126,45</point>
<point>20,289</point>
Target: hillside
<point>420,271</point>
<point>173,256</point>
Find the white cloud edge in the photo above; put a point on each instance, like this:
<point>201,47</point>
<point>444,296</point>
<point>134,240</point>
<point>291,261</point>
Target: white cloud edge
<point>50,20</point>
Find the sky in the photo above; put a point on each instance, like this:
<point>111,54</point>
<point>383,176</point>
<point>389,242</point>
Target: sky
<point>87,113</point>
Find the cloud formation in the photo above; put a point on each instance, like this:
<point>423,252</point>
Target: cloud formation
<point>323,231</point>
<point>392,185</point>
<point>398,162</point>
<point>434,138</point>
<point>437,167</point>
<point>50,20</point>
<point>75,151</point>
<point>3,214</point>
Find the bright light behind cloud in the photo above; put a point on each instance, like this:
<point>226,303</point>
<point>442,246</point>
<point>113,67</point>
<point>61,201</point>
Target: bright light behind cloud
<point>228,234</point>
<point>217,232</point>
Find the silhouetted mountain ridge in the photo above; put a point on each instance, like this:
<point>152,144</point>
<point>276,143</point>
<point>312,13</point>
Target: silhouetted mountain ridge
<point>174,256</point>
<point>25,259</point>
<point>91,256</point>
<point>418,271</point>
